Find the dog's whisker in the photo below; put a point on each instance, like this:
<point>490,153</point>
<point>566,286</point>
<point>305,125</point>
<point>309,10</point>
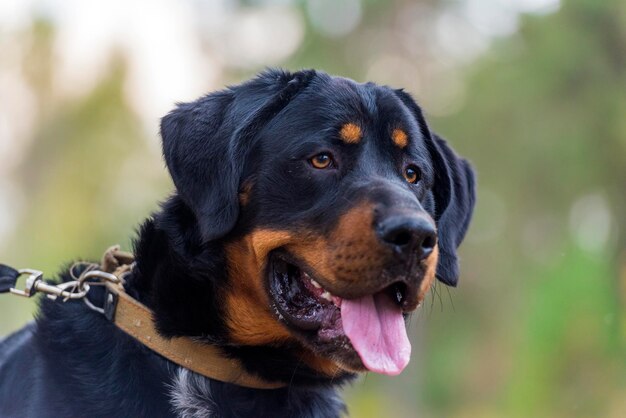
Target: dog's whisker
<point>293,375</point>
<point>450,297</point>
<point>439,297</point>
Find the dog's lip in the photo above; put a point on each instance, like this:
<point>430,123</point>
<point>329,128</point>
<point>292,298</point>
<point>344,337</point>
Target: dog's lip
<point>307,270</point>
<point>321,296</point>
<point>299,302</point>
<point>352,292</point>
<point>316,321</point>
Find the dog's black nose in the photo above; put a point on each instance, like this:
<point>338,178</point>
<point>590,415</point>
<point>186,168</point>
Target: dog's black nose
<point>408,235</point>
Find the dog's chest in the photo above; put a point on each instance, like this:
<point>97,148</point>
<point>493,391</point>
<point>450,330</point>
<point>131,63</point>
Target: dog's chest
<point>194,396</point>
<point>191,396</point>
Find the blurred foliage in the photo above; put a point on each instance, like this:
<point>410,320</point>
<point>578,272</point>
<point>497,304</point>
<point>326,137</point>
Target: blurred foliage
<point>536,327</point>
<point>544,124</point>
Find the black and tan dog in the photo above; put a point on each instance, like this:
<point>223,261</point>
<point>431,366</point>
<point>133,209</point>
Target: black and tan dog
<point>311,215</point>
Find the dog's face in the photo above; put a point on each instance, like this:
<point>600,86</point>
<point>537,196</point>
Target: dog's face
<point>337,208</point>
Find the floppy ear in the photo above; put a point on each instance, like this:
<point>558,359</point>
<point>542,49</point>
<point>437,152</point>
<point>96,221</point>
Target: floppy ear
<point>454,192</point>
<point>454,195</point>
<point>206,142</point>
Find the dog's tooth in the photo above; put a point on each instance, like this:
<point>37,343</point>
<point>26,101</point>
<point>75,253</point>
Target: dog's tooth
<point>326,295</point>
<point>398,295</point>
<point>315,284</point>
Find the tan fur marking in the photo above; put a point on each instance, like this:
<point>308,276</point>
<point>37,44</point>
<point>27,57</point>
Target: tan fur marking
<point>429,274</point>
<point>351,133</point>
<point>250,325</point>
<point>324,365</point>
<point>264,241</point>
<point>399,137</point>
<point>249,318</point>
<point>345,256</point>
<point>244,193</point>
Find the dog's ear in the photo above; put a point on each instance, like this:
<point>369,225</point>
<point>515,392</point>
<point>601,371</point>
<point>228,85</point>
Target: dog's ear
<point>453,192</point>
<point>206,142</point>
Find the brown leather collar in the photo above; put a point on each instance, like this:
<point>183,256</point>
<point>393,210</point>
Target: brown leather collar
<point>136,320</point>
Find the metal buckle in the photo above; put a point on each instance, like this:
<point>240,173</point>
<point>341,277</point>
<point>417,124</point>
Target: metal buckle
<point>110,304</point>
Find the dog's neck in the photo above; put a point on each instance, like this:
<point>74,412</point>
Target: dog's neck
<point>126,375</point>
<point>180,279</point>
<point>194,396</point>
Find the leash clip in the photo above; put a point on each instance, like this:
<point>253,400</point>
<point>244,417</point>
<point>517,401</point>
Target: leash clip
<point>115,265</point>
<point>29,287</point>
<point>35,283</point>
<point>71,290</point>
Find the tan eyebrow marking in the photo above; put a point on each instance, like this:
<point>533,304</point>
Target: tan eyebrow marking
<point>398,136</point>
<point>351,133</point>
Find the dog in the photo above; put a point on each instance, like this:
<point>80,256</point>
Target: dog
<point>311,215</point>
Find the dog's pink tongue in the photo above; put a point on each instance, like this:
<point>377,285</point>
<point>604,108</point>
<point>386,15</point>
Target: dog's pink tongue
<point>375,327</point>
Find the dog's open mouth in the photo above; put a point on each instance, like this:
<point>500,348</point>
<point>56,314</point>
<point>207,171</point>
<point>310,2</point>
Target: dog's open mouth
<point>371,326</point>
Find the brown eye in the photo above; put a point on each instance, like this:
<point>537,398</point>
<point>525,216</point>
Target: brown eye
<point>412,174</point>
<point>321,161</point>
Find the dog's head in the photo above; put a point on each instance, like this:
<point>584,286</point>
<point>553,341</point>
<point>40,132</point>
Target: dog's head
<point>336,205</point>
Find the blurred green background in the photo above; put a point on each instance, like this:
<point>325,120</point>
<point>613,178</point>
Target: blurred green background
<point>533,92</point>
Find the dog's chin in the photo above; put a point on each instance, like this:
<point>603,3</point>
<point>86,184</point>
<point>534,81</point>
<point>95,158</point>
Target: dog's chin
<point>312,313</point>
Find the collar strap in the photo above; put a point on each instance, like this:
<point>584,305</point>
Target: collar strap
<point>136,320</point>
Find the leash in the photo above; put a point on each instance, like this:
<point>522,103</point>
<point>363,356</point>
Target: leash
<point>131,316</point>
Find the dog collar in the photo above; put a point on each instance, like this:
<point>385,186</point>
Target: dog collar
<point>134,318</point>
<point>137,320</point>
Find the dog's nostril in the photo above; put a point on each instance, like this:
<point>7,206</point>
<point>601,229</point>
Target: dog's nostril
<point>428,243</point>
<point>409,235</point>
<point>400,238</point>
<point>425,248</point>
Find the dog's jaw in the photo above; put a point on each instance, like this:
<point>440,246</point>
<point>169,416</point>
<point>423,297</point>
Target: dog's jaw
<point>230,320</point>
<point>261,292</point>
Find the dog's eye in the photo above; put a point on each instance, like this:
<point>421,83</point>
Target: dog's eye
<point>412,174</point>
<point>321,160</point>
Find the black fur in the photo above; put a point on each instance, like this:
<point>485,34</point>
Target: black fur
<point>206,143</point>
<point>74,363</point>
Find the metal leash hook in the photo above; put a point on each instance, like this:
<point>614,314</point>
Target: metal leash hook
<point>71,290</point>
<point>35,283</point>
<point>102,278</point>
<point>117,265</point>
